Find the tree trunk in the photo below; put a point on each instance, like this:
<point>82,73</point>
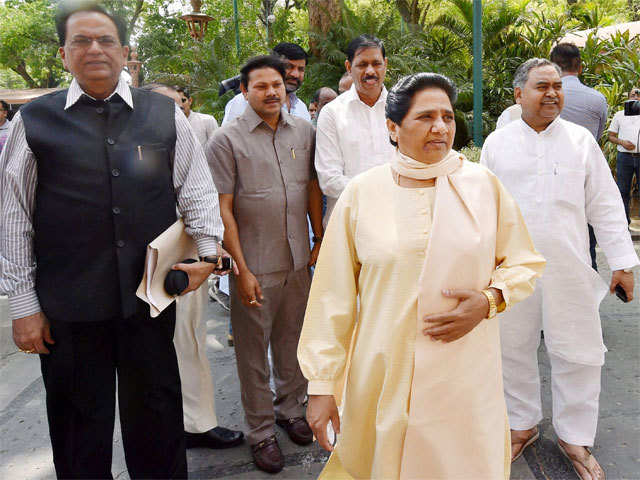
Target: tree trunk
<point>322,15</point>
<point>21,69</point>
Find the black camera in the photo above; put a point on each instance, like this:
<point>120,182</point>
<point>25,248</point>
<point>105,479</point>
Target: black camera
<point>632,108</point>
<point>232,83</point>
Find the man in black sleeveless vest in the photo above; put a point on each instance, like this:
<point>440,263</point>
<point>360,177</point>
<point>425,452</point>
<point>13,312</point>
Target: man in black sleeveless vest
<point>90,175</point>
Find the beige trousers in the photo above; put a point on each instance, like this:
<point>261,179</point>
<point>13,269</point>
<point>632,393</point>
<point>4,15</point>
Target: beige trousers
<point>190,340</point>
<point>277,323</point>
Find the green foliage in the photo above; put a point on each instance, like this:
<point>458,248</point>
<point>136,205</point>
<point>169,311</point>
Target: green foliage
<point>28,42</point>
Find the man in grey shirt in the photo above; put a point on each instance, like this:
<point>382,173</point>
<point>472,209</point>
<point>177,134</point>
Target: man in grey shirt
<point>583,105</point>
<point>263,162</point>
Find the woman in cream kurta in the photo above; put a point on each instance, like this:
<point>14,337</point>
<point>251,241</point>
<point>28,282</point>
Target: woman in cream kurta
<point>374,250</point>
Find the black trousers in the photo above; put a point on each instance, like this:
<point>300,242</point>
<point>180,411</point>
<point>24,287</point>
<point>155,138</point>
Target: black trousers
<point>80,381</point>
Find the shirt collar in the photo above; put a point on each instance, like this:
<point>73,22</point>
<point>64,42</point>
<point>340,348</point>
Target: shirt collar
<point>571,78</point>
<point>547,132</point>
<point>353,93</point>
<point>75,92</point>
<point>254,120</point>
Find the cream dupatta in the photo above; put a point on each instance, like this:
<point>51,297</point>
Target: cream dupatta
<point>457,418</point>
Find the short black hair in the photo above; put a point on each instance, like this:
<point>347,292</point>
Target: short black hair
<point>401,96</point>
<point>69,7</point>
<point>5,105</point>
<point>183,90</point>
<point>566,56</point>
<point>290,51</point>
<point>150,87</point>
<point>261,61</point>
<point>364,41</point>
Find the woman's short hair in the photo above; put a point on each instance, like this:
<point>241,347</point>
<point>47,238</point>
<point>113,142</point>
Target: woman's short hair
<point>262,61</point>
<point>400,97</point>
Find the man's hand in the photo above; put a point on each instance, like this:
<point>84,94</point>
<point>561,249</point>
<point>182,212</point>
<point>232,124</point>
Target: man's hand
<point>625,280</point>
<point>315,251</point>
<point>249,289</point>
<point>628,145</point>
<point>30,333</point>
<point>450,326</point>
<point>320,410</point>
<point>224,254</point>
<point>198,272</point>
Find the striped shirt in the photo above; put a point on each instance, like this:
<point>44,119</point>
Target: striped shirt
<point>197,202</point>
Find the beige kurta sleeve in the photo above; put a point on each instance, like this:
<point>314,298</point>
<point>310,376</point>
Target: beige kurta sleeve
<point>332,307</point>
<point>517,261</point>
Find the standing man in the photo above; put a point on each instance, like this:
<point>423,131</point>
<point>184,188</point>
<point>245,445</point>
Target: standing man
<point>295,59</point>
<point>352,130</point>
<point>263,163</point>
<point>624,131</point>
<point>203,125</point>
<point>4,123</point>
<point>190,340</point>
<point>90,175</point>
<point>582,105</point>
<point>560,179</point>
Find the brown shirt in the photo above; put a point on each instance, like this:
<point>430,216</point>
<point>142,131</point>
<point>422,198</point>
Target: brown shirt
<point>268,173</point>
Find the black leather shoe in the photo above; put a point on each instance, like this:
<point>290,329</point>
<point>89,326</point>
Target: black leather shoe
<point>268,456</point>
<point>298,430</point>
<point>218,437</point>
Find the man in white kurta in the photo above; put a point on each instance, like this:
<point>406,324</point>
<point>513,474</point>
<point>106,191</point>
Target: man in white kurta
<point>558,175</point>
<point>352,134</point>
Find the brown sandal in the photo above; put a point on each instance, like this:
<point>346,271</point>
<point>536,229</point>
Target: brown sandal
<point>588,462</point>
<point>524,444</point>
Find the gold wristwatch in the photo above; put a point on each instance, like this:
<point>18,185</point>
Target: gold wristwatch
<point>493,307</point>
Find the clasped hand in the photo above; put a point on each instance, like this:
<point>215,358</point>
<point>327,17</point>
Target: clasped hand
<point>450,326</point>
<point>198,272</point>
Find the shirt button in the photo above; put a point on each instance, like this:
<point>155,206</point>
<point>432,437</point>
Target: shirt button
<point>115,210</point>
<point>111,141</point>
<point>115,172</point>
<point>120,243</point>
<point>99,109</point>
<point>290,236</point>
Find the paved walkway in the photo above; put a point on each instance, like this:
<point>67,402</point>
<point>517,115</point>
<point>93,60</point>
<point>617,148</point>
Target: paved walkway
<point>25,451</point>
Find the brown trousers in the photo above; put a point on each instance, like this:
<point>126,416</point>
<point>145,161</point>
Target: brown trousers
<point>278,323</point>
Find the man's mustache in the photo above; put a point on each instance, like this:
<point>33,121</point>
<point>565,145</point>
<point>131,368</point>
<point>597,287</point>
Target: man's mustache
<point>371,77</point>
<point>293,79</point>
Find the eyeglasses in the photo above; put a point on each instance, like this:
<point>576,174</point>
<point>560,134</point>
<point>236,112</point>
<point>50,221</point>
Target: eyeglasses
<point>82,42</point>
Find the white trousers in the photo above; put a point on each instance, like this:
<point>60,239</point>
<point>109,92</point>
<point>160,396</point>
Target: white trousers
<point>575,388</point>
<point>190,341</point>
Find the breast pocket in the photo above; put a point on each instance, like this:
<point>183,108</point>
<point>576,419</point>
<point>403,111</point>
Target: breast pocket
<point>145,162</point>
<point>569,188</point>
<point>300,165</point>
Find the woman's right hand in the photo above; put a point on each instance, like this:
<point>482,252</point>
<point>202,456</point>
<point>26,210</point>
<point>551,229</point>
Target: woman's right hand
<point>321,409</point>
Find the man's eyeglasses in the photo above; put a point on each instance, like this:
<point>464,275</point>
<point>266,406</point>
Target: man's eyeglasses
<point>82,42</point>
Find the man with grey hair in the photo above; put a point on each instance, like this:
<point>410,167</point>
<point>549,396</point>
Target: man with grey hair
<point>558,175</point>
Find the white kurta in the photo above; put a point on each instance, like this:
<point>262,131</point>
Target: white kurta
<point>352,137</point>
<point>561,181</point>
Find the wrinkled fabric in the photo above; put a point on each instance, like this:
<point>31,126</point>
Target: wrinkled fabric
<point>363,306</point>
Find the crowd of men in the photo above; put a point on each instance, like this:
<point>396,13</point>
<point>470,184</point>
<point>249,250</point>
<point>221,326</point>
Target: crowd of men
<point>264,184</point>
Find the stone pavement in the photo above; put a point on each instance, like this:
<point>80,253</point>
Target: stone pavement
<point>25,451</point>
